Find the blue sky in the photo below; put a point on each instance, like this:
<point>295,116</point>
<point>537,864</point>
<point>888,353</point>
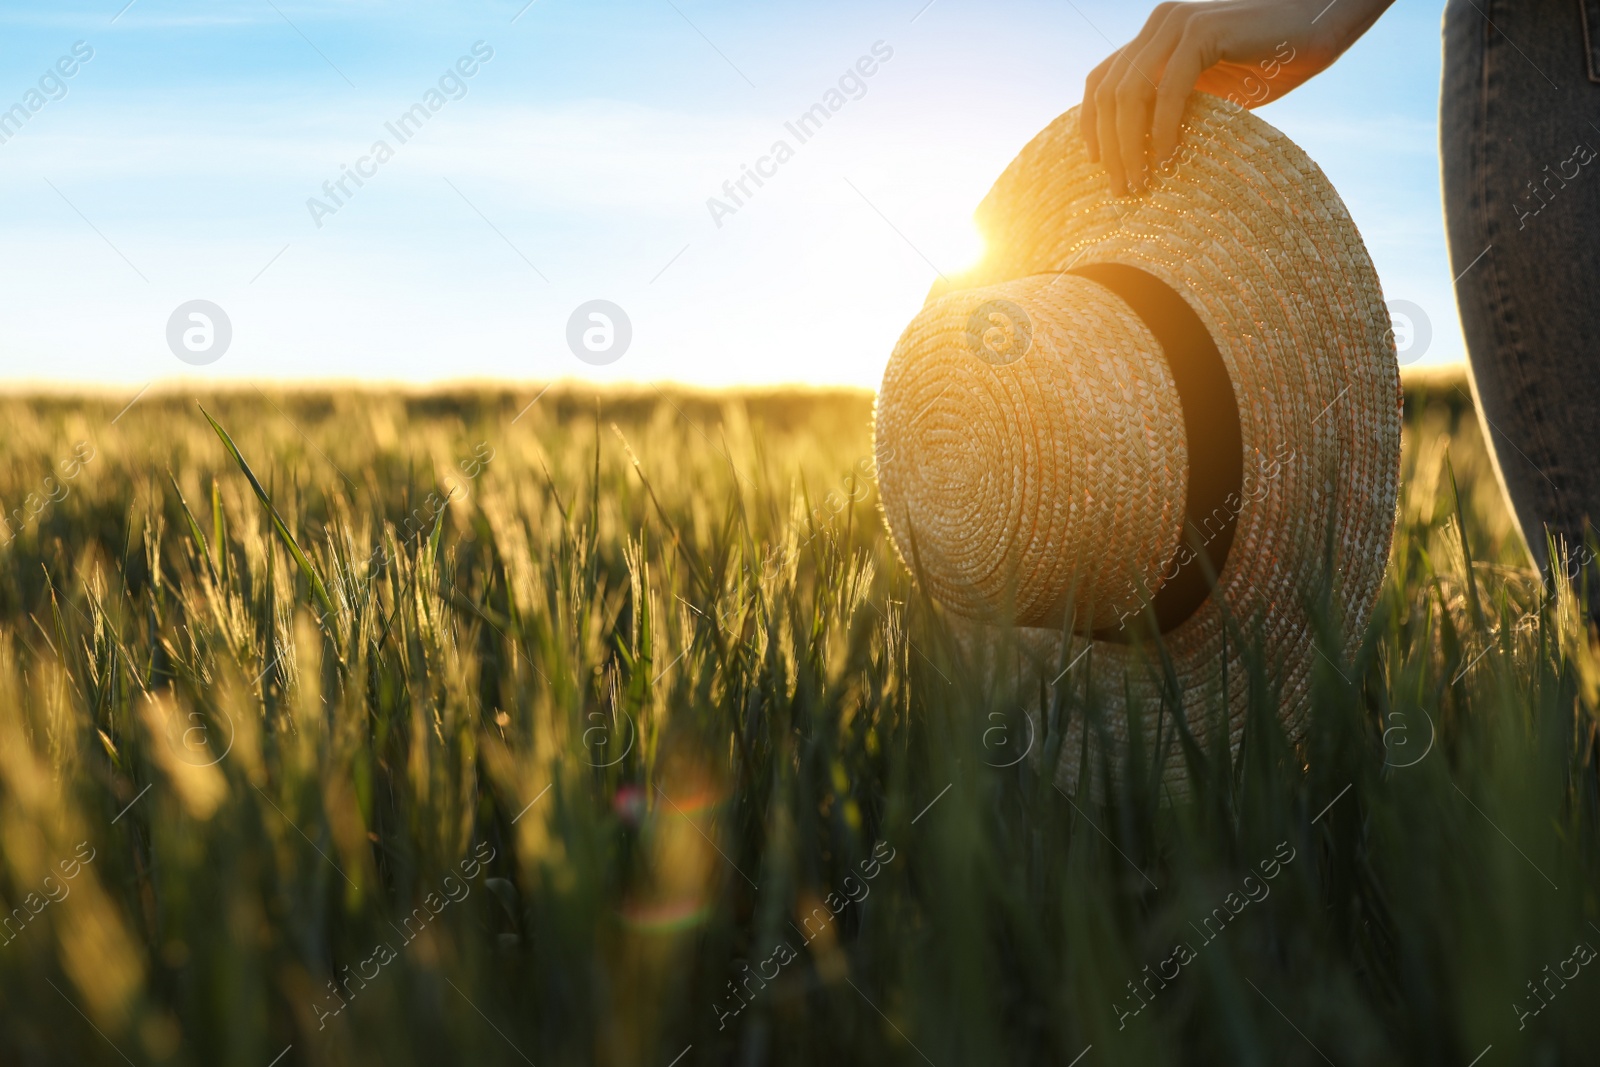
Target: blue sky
<point>576,165</point>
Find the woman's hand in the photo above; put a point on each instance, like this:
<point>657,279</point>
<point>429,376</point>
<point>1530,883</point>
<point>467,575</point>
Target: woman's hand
<point>1249,51</point>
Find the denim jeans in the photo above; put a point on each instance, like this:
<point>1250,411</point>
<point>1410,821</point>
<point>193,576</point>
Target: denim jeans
<point>1519,132</point>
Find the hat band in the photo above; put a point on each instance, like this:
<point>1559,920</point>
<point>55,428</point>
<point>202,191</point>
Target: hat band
<point>1211,426</point>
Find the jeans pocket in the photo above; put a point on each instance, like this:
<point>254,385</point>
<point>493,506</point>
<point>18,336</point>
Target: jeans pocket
<point>1591,36</point>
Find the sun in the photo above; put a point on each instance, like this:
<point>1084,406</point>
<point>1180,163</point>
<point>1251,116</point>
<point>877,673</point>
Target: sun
<point>961,247</point>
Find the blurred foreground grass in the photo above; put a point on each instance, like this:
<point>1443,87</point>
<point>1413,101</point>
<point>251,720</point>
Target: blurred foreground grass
<point>611,732</point>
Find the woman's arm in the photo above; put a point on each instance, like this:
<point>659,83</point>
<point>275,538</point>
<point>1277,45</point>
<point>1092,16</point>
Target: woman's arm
<point>1251,50</point>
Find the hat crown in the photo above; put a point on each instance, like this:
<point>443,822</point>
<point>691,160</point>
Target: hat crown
<point>1031,453</point>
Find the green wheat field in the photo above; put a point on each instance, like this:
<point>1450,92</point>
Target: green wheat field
<point>584,728</point>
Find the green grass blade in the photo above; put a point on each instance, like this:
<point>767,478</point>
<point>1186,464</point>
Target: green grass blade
<point>194,527</point>
<point>318,590</point>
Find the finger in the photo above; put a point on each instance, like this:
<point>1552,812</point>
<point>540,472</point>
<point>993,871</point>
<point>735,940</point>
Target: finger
<point>1107,129</point>
<point>1087,114</point>
<point>1161,17</point>
<point>1148,64</point>
<point>1134,95</point>
<point>1150,52</point>
<point>1097,117</point>
<point>1189,59</point>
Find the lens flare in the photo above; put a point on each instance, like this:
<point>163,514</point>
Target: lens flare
<point>961,248</point>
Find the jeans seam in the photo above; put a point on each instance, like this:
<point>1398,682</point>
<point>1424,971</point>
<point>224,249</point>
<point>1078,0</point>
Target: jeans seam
<point>1584,15</point>
<point>1503,317</point>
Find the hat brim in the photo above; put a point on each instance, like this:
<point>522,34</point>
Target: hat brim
<point>1250,232</point>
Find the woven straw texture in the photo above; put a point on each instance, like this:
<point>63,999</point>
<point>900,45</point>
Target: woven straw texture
<point>1063,472</point>
<point>1055,473</point>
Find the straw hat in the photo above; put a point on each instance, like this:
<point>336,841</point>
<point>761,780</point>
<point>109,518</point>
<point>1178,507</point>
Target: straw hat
<point>1175,413</point>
